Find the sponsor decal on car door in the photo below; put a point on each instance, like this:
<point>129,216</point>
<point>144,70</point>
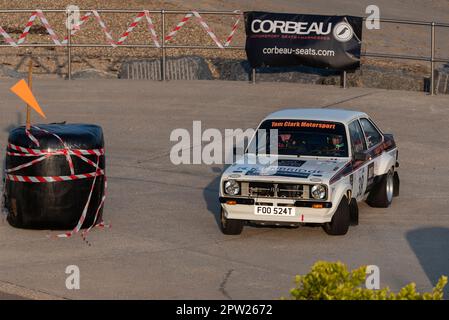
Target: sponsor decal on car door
<point>360,182</point>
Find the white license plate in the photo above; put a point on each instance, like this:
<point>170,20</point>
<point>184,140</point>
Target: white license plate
<point>274,211</point>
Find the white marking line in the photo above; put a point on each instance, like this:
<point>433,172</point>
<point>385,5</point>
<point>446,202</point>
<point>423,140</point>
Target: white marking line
<point>12,289</point>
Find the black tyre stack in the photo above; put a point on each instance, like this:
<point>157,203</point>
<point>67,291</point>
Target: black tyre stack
<point>55,205</point>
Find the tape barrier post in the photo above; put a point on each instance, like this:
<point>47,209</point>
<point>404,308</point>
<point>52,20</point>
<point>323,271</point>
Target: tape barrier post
<point>69,47</point>
<point>163,66</point>
<point>30,85</point>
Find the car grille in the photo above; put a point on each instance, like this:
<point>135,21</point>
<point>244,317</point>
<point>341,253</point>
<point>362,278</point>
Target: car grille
<point>275,190</point>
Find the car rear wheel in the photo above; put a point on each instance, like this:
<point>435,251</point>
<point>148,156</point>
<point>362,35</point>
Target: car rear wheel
<point>341,220</point>
<point>382,194</point>
<point>230,226</point>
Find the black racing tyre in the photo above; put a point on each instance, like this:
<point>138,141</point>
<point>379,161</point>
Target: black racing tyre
<point>381,195</point>
<point>230,226</point>
<point>341,220</point>
<point>396,184</point>
<point>354,212</point>
<point>14,218</point>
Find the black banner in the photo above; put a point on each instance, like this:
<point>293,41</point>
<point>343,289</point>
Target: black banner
<point>219,309</point>
<point>281,40</point>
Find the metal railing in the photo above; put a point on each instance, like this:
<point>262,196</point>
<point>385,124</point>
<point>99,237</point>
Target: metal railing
<point>432,59</point>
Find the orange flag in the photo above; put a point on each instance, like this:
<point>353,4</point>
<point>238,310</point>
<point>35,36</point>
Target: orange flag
<point>22,90</point>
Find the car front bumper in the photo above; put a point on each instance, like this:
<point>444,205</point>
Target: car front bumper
<point>244,209</point>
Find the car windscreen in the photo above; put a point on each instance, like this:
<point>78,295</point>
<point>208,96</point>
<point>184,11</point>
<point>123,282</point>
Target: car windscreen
<point>300,138</point>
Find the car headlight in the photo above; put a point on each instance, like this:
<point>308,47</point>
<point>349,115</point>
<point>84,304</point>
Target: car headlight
<point>318,191</point>
<point>232,187</point>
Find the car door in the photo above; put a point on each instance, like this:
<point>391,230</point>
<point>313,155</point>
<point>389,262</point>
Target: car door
<point>374,139</point>
<point>359,175</point>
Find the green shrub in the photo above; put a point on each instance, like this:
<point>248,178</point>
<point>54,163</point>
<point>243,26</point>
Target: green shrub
<point>333,281</point>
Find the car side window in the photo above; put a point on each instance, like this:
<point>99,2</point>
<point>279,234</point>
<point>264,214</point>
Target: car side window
<point>357,139</point>
<point>372,135</point>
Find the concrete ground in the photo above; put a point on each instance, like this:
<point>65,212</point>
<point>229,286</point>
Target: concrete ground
<point>165,243</point>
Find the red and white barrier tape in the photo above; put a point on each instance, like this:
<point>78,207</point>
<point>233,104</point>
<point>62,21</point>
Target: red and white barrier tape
<point>7,37</point>
<point>47,26</point>
<point>136,21</point>
<point>27,28</point>
<point>105,29</point>
<point>38,179</point>
<point>38,13</point>
<point>86,207</point>
<point>208,29</point>
<point>28,152</point>
<point>66,148</point>
<point>76,27</point>
<point>31,137</point>
<point>67,152</point>
<point>130,28</point>
<point>231,35</point>
<point>152,29</point>
<point>178,26</point>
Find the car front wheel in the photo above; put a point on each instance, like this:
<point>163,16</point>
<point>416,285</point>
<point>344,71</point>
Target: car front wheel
<point>230,226</point>
<point>341,220</point>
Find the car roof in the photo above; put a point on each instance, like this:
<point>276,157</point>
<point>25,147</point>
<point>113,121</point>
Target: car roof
<point>319,114</point>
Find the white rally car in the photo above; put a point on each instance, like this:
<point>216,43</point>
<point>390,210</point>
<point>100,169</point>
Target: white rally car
<point>325,162</point>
